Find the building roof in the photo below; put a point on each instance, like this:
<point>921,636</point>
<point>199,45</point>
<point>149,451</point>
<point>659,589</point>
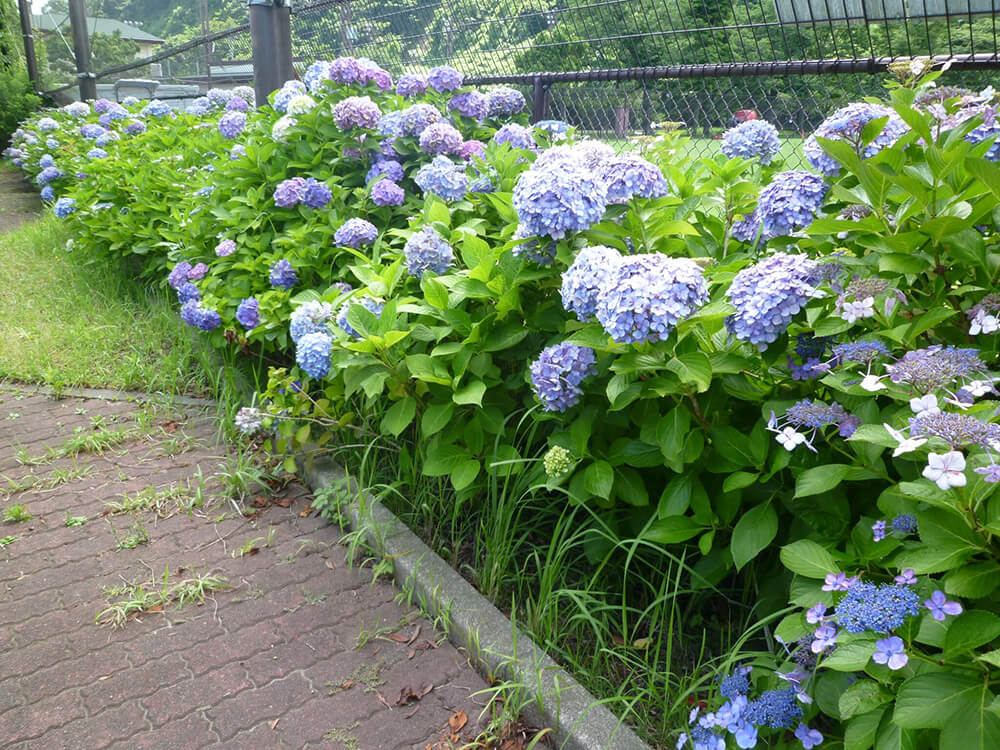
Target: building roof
<point>50,22</point>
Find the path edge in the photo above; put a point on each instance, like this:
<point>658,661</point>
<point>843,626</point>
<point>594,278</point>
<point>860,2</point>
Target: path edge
<point>492,642</point>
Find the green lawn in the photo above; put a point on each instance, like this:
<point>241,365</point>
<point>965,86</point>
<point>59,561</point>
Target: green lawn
<point>64,322</point>
<point>791,149</point>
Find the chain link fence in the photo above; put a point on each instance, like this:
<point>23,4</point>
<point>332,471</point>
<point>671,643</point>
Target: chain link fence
<point>617,69</point>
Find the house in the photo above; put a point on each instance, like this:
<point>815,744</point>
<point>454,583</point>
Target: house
<point>47,23</point>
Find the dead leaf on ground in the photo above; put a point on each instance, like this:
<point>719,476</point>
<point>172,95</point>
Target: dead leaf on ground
<point>457,722</point>
<point>331,564</point>
<point>260,501</point>
<point>275,722</point>
<point>408,694</point>
<point>284,502</point>
<point>170,426</point>
<point>383,701</point>
<point>305,511</point>
<point>403,638</point>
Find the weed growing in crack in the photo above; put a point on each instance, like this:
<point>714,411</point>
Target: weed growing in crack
<point>17,514</point>
<point>72,521</point>
<point>135,598</point>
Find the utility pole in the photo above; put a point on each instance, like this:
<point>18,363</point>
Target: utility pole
<point>271,40</point>
<point>24,6</point>
<point>81,49</point>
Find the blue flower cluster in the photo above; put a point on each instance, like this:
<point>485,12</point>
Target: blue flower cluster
<point>48,175</point>
<point>312,354</point>
<point>286,93</point>
<point>541,253</point>
<point>754,139</point>
<point>387,193</point>
<point>157,108</point>
<point>371,305</point>
<point>443,178</point>
<point>847,124</point>
<point>355,232</point>
<point>413,120</point>
<point>427,250</point>
<point>768,295</point>
<point>470,104</point>
<point>411,84</point>
<point>516,136</point>
<point>200,317</point>
<point>935,367</point>
<point>289,192</point>
<point>958,430</point>
<point>789,203</point>
<point>643,297</point>
<point>557,373</point>
<point>135,127</point>
<point>282,275</point>
<point>582,281</point>
<point>631,176</point>
<point>356,112</point>
<point>444,78</point>
<point>559,199</point>
<point>310,317</point>
<point>64,207</point>
<point>232,124</point>
<point>878,608</point>
<point>316,194</point>
<point>440,138</point>
<point>385,167</point>
<point>248,313</point>
<point>187,292</point>
<point>504,101</point>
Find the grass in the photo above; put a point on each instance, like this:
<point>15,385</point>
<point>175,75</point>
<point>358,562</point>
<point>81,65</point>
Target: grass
<point>16,514</point>
<point>129,600</point>
<point>67,323</point>
<point>700,147</point>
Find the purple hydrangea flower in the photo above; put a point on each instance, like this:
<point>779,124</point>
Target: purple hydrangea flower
<point>789,203</point>
<point>179,274</point>
<point>344,70</point>
<point>356,112</point>
<point>415,119</point>
<point>237,104</point>
<point>355,232</point>
<point>187,292</point>
<point>847,124</point>
<point>309,317</point>
<point>440,138</point>
<point>906,578</point>
<point>958,430</point>
<point>517,136</point>
<point>504,101</point>
<point>838,582</point>
<point>878,531</point>
<point>388,167</point>
<point>102,105</point>
<point>877,608</point>
<point>643,297</point>
<point>197,316</point>
<point>197,272</point>
<point>385,192</point>
<point>861,352</point>
<point>848,426</point>
<point>282,275</point>
<point>470,104</point>
<point>316,194</point>
<point>444,78</point>
<point>891,652</point>
<point>632,176</point>
<point>560,199</point>
<point>809,738</point>
<point>931,368</point>
<point>824,637</point>
<point>232,124</point>
<point>443,178</point>
<point>224,248</point>
<point>814,414</point>
<point>582,281</point>
<point>939,606</point>
<point>990,474</point>
<point>312,354</point>
<point>76,109</point>
<point>248,313</point>
<point>754,139</point>
<point>289,192</point>
<point>372,72</point>
<point>92,131</point>
<point>557,373</point>
<point>472,149</point>
<point>768,295</point>
<point>135,127</point>
<point>990,126</point>
<point>371,305</point>
<point>411,84</point>
<point>427,250</point>
<point>200,106</point>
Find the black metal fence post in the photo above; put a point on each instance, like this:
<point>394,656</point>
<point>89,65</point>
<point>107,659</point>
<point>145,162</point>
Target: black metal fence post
<point>24,6</point>
<point>271,40</point>
<point>539,99</point>
<point>81,49</point>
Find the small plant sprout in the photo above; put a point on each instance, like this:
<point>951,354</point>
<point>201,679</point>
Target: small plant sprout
<point>16,514</point>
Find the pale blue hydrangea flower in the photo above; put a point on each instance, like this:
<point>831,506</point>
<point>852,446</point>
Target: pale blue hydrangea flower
<point>989,127</point>
<point>847,124</point>
<point>427,250</point>
<point>309,317</point>
<point>48,194</point>
<point>64,207</point>
<point>47,125</point>
<point>47,175</point>
<point>312,354</point>
<point>317,72</point>
<point>631,176</point>
<point>92,131</point>
<point>443,178</point>
<point>754,139</point>
<point>157,108</point>
<point>563,198</point>
<point>355,232</point>
<point>385,192</point>
<point>788,204</point>
<point>97,153</point>
<point>289,192</point>
<point>444,78</point>
<point>387,167</point>
<point>77,109</point>
<point>391,123</point>
<point>582,281</point>
<point>282,275</point>
<point>46,161</point>
<point>517,136</point>
<point>557,373</point>
<point>504,101</point>
<point>356,112</point>
<point>286,93</point>
<point>232,124</point>
<point>440,138</point>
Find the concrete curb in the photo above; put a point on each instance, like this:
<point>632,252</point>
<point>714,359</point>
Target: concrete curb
<point>494,645</point>
<point>104,394</point>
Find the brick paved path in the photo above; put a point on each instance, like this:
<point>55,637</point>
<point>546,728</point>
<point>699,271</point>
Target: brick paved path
<point>274,662</point>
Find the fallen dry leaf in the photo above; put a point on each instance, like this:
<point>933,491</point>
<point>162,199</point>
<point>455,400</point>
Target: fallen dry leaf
<point>260,501</point>
<point>284,502</point>
<point>305,511</point>
<point>408,694</point>
<point>416,632</point>
<point>331,564</point>
<point>170,426</point>
<point>457,721</point>
<point>383,701</point>
<point>275,722</point>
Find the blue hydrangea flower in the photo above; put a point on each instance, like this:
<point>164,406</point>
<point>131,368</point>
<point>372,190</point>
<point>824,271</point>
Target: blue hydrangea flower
<point>541,253</point>
<point>754,139</point>
<point>630,176</point>
<point>282,275</point>
<point>416,118</point>
<point>248,313</point>
<point>52,143</point>
<point>935,367</point>
<point>356,112</point>
<point>905,524</point>
<point>470,104</point>
<point>560,199</point>
<point>135,127</point>
<point>643,297</point>
<point>289,192</point>
<point>97,153</point>
<point>504,101</point>
<point>200,106</point>
<point>118,112</point>
<point>385,192</point>
<point>958,430</point>
<point>789,203</point>
<point>847,124</point>
<point>582,281</point>
<point>443,178</point>
<point>64,207</point>
<point>47,175</point>
<point>232,124</point>
<point>355,232</point>
<point>312,354</point>
<point>286,93</point>
<point>107,138</point>
<point>48,194</point>
<point>236,152</point>
<point>440,138</point>
<point>387,167</point>
<point>316,194</point>
<point>735,684</point>
<point>557,373</point>
<point>768,295</point>
<point>391,123</point>
<point>989,127</point>
<point>47,125</point>
<point>861,352</point>
<point>46,161</point>
<point>516,135</point>
<point>877,608</point>
<point>427,250</point>
<point>237,104</point>
<point>411,84</point>
<point>776,709</point>
<point>316,74</point>
<point>814,414</point>
<point>218,96</point>
<point>344,70</point>
<point>444,78</point>
<point>370,304</point>
<point>309,317</point>
<point>157,108</point>
<point>197,316</point>
<point>179,274</point>
<point>187,292</point>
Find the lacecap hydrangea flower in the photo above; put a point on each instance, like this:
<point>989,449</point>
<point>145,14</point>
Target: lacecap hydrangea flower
<point>935,367</point>
<point>444,78</point>
<point>643,297</point>
<point>768,295</point>
<point>64,207</point>
<point>631,176</point>
<point>472,104</point>
<point>232,124</point>
<point>411,84</point>
<point>427,250</point>
<point>582,281</point>
<point>517,136</point>
<point>754,139</point>
<point>440,138</point>
<point>356,112</point>
<point>355,232</point>
<point>248,313</point>
<point>282,275</point>
<point>557,373</point>
<point>847,124</point>
<point>789,203</point>
<point>385,192</point>
<point>563,198</point>
<point>443,178</point>
<point>309,317</point>
<point>371,305</point>
<point>312,354</point>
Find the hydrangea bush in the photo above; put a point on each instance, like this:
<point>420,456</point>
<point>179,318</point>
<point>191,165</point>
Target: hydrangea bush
<point>792,374</point>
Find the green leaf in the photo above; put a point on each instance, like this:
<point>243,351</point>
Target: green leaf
<point>443,459</point>
<point>928,320</point>
<point>970,630</point>
<point>852,656</point>
<point>435,292</point>
<point>808,559</point>
<point>470,393</point>
<point>694,368</point>
<point>599,478</point>
<point>893,737</point>
<point>754,531</point>
<point>671,530</point>
<point>398,416</point>
<point>973,581</point>
<point>464,474</point>
<point>738,480</point>
<point>671,433</point>
<point>820,479</point>
<point>734,446</point>
<point>863,697</point>
<point>928,701</point>
<point>435,418</point>
<point>861,730</point>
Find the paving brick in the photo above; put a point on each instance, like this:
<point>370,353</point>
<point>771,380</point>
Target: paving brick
<point>41,716</point>
<point>245,710</point>
<point>176,701</point>
<point>133,684</point>
<point>98,730</point>
<point>185,733</point>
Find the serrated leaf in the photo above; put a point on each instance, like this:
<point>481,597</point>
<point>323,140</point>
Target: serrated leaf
<point>809,559</point>
<point>755,530</point>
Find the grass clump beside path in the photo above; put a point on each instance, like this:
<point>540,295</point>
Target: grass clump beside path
<point>68,323</point>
